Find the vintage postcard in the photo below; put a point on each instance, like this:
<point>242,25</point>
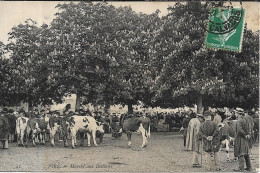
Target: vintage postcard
<point>129,86</point>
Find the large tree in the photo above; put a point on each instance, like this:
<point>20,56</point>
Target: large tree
<point>101,51</point>
<point>188,73</point>
<point>4,76</point>
<point>29,51</point>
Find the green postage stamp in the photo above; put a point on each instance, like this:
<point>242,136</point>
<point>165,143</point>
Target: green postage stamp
<point>225,29</point>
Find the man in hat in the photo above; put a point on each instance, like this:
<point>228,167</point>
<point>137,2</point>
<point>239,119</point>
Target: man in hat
<point>192,143</point>
<point>242,140</point>
<point>211,141</point>
<point>184,128</point>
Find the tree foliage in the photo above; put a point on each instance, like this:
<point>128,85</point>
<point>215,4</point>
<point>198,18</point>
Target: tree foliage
<point>29,64</point>
<point>188,72</point>
<point>102,51</point>
<point>108,55</point>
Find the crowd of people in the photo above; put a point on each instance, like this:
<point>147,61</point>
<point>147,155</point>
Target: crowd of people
<point>203,133</point>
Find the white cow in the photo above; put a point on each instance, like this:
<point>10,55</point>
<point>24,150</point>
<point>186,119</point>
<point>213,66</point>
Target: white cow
<point>85,124</point>
<point>21,128</point>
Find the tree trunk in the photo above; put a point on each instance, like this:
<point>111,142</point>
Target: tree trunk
<point>78,100</point>
<point>199,104</point>
<point>107,106</point>
<point>130,108</point>
<point>30,106</point>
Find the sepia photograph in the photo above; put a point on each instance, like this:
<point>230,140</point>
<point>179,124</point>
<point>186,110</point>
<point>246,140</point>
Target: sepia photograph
<point>148,86</point>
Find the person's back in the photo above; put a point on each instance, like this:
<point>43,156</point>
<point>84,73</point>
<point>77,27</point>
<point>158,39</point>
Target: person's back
<point>250,127</point>
<point>208,127</point>
<point>192,130</point>
<point>242,140</point>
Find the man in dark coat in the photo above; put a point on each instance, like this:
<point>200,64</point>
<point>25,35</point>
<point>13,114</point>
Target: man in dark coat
<point>4,130</point>
<point>211,142</point>
<point>185,124</point>
<point>250,128</point>
<point>242,140</point>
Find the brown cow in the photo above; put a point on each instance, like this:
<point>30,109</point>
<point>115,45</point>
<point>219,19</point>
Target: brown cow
<point>132,124</point>
<point>38,127</point>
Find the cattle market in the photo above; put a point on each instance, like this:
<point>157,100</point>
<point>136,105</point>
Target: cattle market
<point>167,86</point>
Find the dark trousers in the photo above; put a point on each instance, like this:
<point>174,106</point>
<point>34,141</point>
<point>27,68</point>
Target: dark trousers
<point>241,162</point>
<point>184,138</point>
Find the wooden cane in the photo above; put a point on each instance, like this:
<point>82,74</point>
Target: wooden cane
<point>201,152</point>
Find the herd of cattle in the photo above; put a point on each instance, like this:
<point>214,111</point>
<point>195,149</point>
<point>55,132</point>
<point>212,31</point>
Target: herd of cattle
<point>76,126</point>
<point>73,126</point>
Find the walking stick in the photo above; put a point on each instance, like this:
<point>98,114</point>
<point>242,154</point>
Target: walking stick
<point>201,153</point>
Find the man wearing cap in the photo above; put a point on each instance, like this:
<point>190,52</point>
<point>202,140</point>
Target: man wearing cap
<point>192,143</point>
<point>211,141</point>
<point>242,141</point>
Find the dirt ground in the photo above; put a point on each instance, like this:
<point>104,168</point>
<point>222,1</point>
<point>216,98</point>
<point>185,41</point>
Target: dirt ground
<point>164,153</point>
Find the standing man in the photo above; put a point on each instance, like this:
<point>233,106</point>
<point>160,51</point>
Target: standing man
<point>250,129</point>
<point>211,141</point>
<point>242,140</point>
<point>4,130</point>
<point>192,142</point>
<point>185,124</point>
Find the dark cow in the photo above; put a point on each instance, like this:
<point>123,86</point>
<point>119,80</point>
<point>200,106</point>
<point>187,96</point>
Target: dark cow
<point>37,127</point>
<point>12,122</point>
<point>4,131</point>
<point>131,124</point>
<point>115,126</point>
<point>55,125</point>
<point>227,134</point>
<point>59,124</point>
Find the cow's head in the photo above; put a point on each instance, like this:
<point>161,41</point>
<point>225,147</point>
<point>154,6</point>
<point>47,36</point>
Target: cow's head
<point>100,131</point>
<point>100,127</point>
<point>116,129</point>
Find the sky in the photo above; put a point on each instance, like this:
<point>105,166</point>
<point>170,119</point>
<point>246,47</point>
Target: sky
<point>12,13</point>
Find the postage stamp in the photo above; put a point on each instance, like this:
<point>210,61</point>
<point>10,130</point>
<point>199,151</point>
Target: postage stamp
<point>225,29</point>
